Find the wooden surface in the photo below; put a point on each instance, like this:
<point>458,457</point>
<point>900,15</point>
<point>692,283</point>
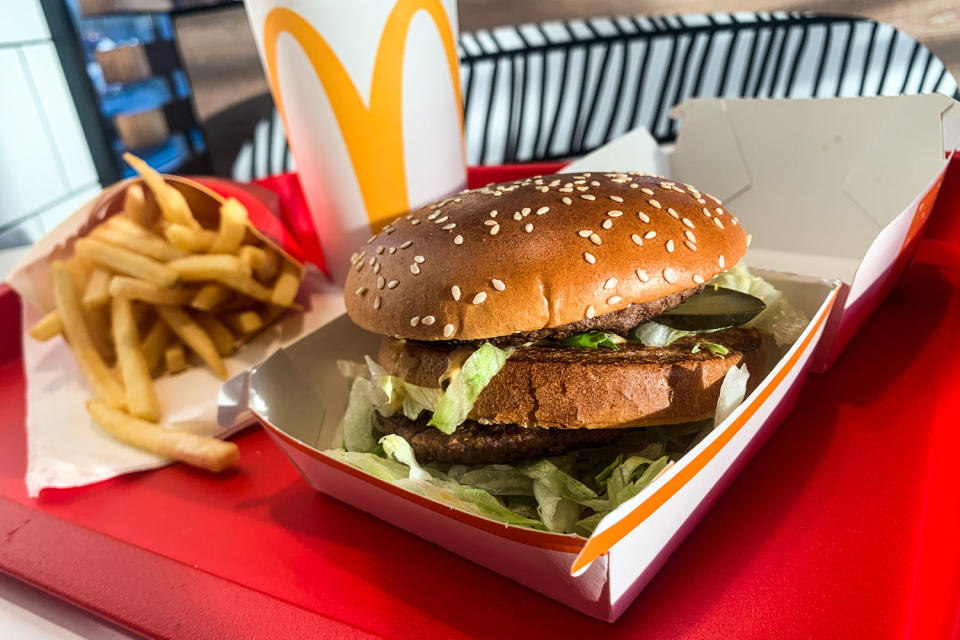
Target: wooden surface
<point>935,23</point>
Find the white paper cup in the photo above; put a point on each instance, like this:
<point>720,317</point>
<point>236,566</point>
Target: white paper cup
<point>369,91</point>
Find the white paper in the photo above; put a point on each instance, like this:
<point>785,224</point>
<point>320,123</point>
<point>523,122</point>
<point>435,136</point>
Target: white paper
<point>66,449</point>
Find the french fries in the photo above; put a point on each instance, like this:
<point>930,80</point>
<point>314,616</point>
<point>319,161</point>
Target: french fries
<point>198,451</point>
<point>141,396</point>
<point>146,285</point>
<point>122,232</point>
<point>233,227</point>
<point>92,366</point>
<point>172,204</point>
<point>98,288</point>
<point>48,326</point>
<point>194,337</point>
<point>175,358</point>
<point>126,261</point>
<point>149,292</point>
<point>188,239</point>
<point>285,288</point>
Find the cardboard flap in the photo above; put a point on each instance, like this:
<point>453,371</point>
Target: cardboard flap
<point>849,166</point>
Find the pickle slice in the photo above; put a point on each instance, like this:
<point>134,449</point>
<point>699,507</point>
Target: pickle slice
<point>713,308</point>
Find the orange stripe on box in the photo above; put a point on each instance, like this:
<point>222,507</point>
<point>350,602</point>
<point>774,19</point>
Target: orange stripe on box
<point>530,537</point>
<point>601,543</point>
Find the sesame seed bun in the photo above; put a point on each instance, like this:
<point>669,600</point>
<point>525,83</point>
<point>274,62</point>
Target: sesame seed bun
<point>538,253</point>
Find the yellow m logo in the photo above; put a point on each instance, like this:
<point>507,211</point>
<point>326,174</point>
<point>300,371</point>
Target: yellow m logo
<point>374,134</point>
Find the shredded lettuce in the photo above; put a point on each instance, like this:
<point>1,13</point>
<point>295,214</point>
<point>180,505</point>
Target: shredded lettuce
<point>733,390</point>
<point>654,334</point>
<point>592,340</point>
<point>466,385</point>
<point>357,424</point>
<point>712,347</point>
<point>780,319</point>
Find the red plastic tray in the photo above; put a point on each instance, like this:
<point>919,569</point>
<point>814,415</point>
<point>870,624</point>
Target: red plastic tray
<point>844,525</point>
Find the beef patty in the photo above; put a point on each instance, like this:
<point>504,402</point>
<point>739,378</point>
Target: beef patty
<point>619,322</point>
<point>475,443</point>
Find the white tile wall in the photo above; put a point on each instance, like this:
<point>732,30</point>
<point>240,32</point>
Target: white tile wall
<point>45,166</point>
<point>30,170</point>
<point>22,21</point>
<point>58,110</point>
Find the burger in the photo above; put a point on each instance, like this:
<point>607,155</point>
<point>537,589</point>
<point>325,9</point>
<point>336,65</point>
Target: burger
<point>531,324</point>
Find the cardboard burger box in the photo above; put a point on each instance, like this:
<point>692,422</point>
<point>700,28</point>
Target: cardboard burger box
<point>833,191</point>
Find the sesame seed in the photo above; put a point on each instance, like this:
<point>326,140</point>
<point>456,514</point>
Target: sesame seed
<point>381,283</point>
<point>607,224</point>
<point>583,188</point>
<point>565,189</point>
<point>516,216</point>
<point>650,235</point>
<point>415,269</point>
<point>359,266</point>
<point>490,223</point>
<point>687,223</point>
<point>669,246</point>
<point>393,284</point>
<point>480,297</point>
<point>734,220</point>
<point>643,217</point>
<point>714,198</point>
<point>376,268</point>
<point>419,259</point>
<point>371,239</point>
<point>613,213</point>
<point>701,201</point>
<point>580,181</point>
<point>528,227</point>
<point>587,196</point>
<point>493,214</point>
<point>637,240</point>
<point>717,222</point>
<point>525,211</point>
<point>590,311</point>
<point>380,250</point>
<point>673,212</point>
<point>689,235</point>
<point>441,220</point>
<point>720,261</point>
<point>690,245</point>
<point>669,275</point>
<point>634,185</point>
<point>543,189</point>
<point>566,200</point>
<point>372,260</point>
<point>595,239</point>
<point>494,230</point>
<point>376,302</point>
<point>392,250</point>
<point>542,210</point>
<point>654,203</point>
<point>643,275</point>
<point>447,330</point>
<point>498,284</point>
<point>698,278</point>
<point>616,198</point>
<point>589,257</point>
<point>360,291</point>
<point>719,211</point>
<point>458,239</point>
<point>415,222</point>
<point>647,191</point>
<point>434,215</point>
<point>428,320</point>
<point>594,183</point>
<point>406,244</point>
<point>455,291</point>
<point>448,227</point>
<point>610,283</point>
<point>614,299</point>
<point>706,212</point>
<point>414,321</point>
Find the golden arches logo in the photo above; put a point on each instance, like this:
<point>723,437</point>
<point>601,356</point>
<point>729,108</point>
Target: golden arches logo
<point>374,134</point>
